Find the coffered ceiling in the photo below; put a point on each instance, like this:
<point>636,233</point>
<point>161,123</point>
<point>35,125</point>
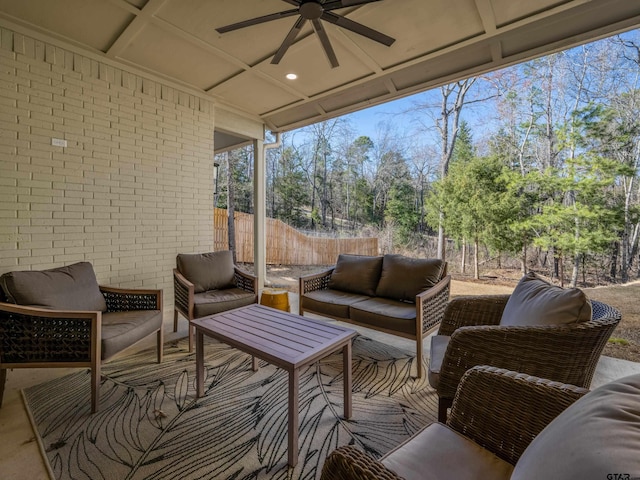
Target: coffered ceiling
<point>436,41</point>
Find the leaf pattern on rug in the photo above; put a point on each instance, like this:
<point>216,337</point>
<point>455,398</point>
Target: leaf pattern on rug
<point>151,426</point>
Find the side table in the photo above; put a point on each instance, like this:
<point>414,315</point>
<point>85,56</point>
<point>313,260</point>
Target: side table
<point>275,298</point>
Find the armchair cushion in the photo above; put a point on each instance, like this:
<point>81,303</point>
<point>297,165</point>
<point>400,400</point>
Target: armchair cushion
<point>594,438</point>
<point>72,287</point>
<point>537,302</point>
<point>356,274</point>
<point>122,329</point>
<point>437,452</point>
<point>439,345</point>
<point>216,301</point>
<point>402,278</point>
<point>207,271</point>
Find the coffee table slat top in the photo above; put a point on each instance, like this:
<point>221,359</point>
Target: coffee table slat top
<point>283,339</point>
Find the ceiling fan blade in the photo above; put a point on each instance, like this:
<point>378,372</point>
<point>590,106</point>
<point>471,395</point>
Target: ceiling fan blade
<point>335,4</point>
<point>291,36</point>
<point>326,44</point>
<point>351,3</point>
<point>358,28</point>
<point>257,20</point>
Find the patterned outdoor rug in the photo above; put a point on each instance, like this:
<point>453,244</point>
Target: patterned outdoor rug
<point>151,426</point>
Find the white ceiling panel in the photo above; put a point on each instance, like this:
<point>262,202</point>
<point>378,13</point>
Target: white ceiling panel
<point>154,50</point>
<point>102,22</point>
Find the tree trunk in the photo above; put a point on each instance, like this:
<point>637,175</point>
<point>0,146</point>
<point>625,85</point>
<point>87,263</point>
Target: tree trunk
<point>463,263</point>
<point>624,268</point>
<point>576,270</point>
<point>441,241</point>
<point>476,261</point>
<point>614,260</point>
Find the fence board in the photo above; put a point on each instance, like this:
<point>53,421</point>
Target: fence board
<point>284,244</point>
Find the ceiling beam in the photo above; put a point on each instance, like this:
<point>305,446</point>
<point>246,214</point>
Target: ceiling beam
<point>488,18</point>
<point>143,17</point>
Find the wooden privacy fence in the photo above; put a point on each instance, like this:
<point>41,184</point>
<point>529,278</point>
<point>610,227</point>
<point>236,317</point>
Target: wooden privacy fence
<point>284,244</point>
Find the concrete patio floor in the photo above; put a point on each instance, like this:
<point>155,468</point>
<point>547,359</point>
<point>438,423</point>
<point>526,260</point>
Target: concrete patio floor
<point>20,457</point>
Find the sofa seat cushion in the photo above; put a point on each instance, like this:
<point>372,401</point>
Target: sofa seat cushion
<point>356,274</point>
<point>333,303</point>
<point>402,278</point>
<point>216,301</point>
<point>439,345</point>
<point>122,329</point>
<point>535,301</point>
<point>385,313</point>
<point>439,453</point>
<point>597,437</point>
<point>72,287</point>
<point>207,271</point>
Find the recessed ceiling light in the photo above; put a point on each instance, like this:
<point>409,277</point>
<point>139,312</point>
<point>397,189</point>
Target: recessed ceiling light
<point>292,76</point>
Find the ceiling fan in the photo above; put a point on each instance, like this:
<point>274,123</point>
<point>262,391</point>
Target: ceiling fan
<point>315,10</point>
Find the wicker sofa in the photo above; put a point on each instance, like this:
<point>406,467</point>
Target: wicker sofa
<point>391,293</point>
<point>62,318</point>
<point>510,426</point>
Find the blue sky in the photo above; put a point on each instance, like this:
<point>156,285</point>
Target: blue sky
<point>367,120</point>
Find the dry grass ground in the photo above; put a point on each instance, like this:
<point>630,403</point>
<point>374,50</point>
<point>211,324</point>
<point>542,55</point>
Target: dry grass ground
<point>625,342</point>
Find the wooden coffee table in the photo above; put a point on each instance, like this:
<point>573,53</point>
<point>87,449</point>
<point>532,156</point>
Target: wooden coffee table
<point>286,340</point>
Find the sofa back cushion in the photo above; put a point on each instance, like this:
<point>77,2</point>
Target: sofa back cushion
<point>207,271</point>
<point>356,274</point>
<point>402,278</point>
<point>595,438</point>
<point>535,301</point>
<point>73,287</point>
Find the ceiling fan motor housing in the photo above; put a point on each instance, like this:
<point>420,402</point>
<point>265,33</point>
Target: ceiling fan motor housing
<point>311,10</point>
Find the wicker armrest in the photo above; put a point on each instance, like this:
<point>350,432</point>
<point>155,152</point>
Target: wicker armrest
<point>126,299</point>
<point>183,292</point>
<point>38,336</point>
<point>433,302</point>
<point>472,310</point>
<point>246,281</point>
<point>503,411</point>
<point>315,281</point>
<point>349,463</point>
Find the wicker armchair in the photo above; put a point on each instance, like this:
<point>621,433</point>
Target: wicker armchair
<point>71,321</point>
<point>209,283</point>
<point>495,416</point>
<point>471,335</point>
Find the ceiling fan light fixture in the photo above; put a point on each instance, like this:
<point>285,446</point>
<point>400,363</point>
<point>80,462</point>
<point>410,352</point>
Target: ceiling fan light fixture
<point>291,76</point>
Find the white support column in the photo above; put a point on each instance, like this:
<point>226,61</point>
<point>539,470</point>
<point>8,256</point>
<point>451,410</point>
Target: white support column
<point>260,213</point>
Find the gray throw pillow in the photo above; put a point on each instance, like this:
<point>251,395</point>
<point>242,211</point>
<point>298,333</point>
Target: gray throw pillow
<point>403,278</point>
<point>207,271</point>
<point>356,274</point>
<point>73,287</point>
<point>595,438</point>
<point>535,301</point>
